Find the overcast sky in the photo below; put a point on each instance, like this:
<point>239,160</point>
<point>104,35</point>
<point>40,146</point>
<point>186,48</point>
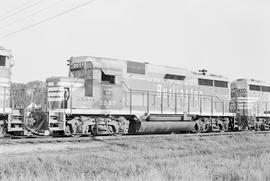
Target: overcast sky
<point>227,37</point>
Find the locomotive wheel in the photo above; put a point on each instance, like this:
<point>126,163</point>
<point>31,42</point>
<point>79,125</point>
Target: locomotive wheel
<point>2,131</point>
<point>197,128</point>
<point>208,128</point>
<point>258,127</point>
<point>112,130</point>
<point>91,130</point>
<point>125,131</point>
<point>68,130</point>
<point>221,128</point>
<point>262,127</point>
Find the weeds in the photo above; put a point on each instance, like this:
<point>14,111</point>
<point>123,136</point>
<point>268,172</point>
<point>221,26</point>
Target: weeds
<point>241,157</point>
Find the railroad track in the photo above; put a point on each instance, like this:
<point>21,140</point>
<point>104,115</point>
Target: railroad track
<point>77,139</point>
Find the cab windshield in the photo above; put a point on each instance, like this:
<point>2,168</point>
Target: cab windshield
<point>81,70</point>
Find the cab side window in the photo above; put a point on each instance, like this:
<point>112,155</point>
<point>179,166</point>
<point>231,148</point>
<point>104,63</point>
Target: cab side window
<point>254,87</point>
<point>107,78</point>
<point>2,61</point>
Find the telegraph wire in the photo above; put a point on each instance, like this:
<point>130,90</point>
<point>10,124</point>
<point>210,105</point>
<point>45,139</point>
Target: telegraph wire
<point>47,19</point>
<point>30,15</point>
<point>21,10</point>
<point>14,9</point>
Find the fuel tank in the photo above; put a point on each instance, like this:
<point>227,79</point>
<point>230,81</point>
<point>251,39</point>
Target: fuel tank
<point>155,127</point>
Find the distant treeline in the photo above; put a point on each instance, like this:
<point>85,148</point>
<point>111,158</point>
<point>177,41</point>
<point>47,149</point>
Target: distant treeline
<point>22,95</point>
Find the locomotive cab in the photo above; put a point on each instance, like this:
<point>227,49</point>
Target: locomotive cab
<point>89,90</point>
<point>11,121</point>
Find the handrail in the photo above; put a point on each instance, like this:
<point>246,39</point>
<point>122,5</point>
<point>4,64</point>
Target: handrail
<point>213,98</point>
<point>123,82</point>
<point>183,94</point>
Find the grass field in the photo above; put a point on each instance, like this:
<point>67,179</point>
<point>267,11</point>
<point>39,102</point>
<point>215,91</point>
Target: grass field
<point>171,157</point>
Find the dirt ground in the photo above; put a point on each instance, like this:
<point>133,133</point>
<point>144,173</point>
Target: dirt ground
<point>44,147</point>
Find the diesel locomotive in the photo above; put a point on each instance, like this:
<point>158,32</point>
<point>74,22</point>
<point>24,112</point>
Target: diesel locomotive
<point>11,121</point>
<point>251,99</point>
<point>110,96</point>
<point>104,96</point>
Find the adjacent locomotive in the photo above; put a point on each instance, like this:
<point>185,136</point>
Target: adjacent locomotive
<point>108,96</point>
<point>10,119</point>
<point>251,100</point>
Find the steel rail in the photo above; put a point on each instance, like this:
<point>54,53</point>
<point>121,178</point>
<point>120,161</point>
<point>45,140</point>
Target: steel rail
<point>77,139</point>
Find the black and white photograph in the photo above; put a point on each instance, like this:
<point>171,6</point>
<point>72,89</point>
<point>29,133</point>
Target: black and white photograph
<point>134,90</point>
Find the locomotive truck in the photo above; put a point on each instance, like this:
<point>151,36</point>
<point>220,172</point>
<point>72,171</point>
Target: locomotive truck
<point>110,96</point>
<point>11,120</point>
